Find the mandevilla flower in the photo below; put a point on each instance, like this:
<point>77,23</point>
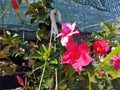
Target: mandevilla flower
<point>100,47</point>
<point>101,72</point>
<point>14,4</point>
<point>116,61</point>
<point>20,80</point>
<point>15,7</point>
<point>77,55</point>
<point>67,32</point>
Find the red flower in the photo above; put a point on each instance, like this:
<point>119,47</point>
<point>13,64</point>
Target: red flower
<point>20,80</point>
<point>100,47</point>
<point>15,7</point>
<point>77,55</point>
<point>116,61</point>
<point>14,4</point>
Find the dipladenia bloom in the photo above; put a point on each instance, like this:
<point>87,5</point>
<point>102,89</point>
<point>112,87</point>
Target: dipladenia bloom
<point>15,7</point>
<point>68,30</point>
<point>101,72</point>
<point>116,62</point>
<point>100,47</point>
<point>20,81</point>
<point>77,55</point>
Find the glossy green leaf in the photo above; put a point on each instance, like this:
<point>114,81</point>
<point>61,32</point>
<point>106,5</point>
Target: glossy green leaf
<point>117,25</point>
<point>113,52</point>
<point>15,35</point>
<point>43,16</point>
<point>63,86</point>
<point>38,65</point>
<point>36,56</point>
<point>38,5</point>
<point>33,21</point>
<point>107,27</point>
<point>54,61</point>
<point>44,47</point>
<point>12,50</point>
<point>49,83</point>
<point>38,34</point>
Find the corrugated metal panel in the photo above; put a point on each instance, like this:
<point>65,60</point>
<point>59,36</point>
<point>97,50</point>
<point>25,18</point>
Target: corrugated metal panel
<point>10,20</point>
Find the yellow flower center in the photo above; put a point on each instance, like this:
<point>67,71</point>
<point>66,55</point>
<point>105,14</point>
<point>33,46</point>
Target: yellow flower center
<point>99,49</point>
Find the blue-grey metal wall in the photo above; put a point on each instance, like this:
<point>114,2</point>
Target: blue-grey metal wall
<point>10,19</point>
<point>88,13</point>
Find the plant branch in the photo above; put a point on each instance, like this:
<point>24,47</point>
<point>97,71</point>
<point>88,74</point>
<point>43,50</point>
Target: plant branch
<point>90,84</point>
<point>42,76</point>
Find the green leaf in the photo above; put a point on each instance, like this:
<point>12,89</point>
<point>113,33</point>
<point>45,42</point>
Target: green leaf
<point>8,33</point>
<point>29,11</point>
<point>36,56</point>
<point>12,50</point>
<point>3,46</point>
<point>46,51</point>
<point>117,25</point>
<point>15,35</point>
<point>38,65</point>
<point>44,48</point>
<point>107,27</point>
<point>33,21</point>
<point>63,86</point>
<point>43,16</point>
<point>42,31</point>
<point>38,34</point>
<point>49,82</point>
<point>112,53</point>
<point>54,61</point>
<point>38,5</point>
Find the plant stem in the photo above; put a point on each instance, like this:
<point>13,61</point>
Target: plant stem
<point>56,80</point>
<point>90,84</point>
<point>42,76</point>
<point>4,11</point>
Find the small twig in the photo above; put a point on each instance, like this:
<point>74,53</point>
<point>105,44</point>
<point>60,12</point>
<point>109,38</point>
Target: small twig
<point>42,76</point>
<point>4,11</point>
<point>56,80</point>
<point>90,83</point>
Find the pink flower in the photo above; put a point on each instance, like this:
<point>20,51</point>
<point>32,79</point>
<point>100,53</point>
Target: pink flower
<point>100,47</point>
<point>20,80</point>
<point>77,55</point>
<point>116,61</point>
<point>67,32</point>
<point>101,72</point>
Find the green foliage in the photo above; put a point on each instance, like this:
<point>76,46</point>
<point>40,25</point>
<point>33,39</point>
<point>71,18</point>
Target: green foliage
<point>39,12</point>
<point>9,44</point>
<point>111,29</point>
<point>102,83</point>
<point>11,39</point>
